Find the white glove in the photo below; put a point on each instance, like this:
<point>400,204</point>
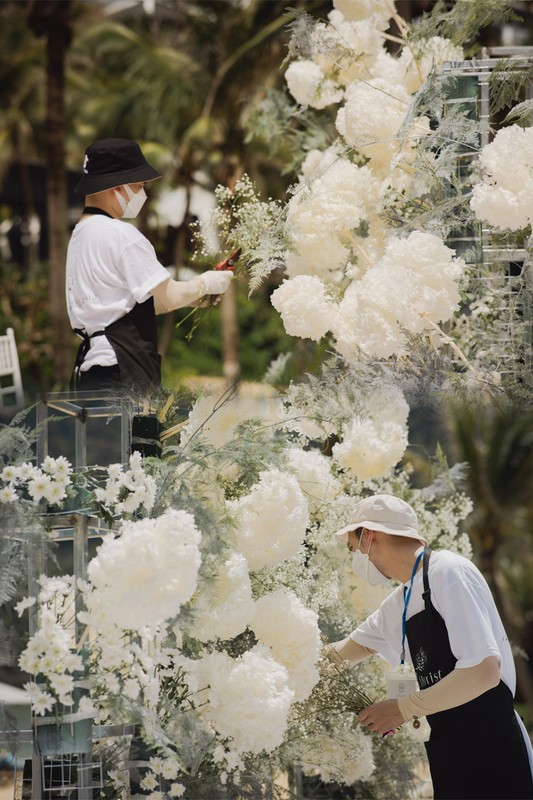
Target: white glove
<point>215,282</point>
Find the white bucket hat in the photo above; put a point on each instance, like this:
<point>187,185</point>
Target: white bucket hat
<point>386,513</point>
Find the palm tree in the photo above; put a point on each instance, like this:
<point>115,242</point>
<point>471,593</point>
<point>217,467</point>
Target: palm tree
<point>497,444</point>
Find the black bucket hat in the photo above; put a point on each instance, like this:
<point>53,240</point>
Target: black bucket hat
<point>113,162</point>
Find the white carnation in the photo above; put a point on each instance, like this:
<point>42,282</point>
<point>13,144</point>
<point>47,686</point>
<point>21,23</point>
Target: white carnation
<point>226,607</point>
<point>248,698</point>
<point>271,520</point>
<point>290,630</point>
<point>304,306</point>
<point>503,199</point>
<point>144,576</point>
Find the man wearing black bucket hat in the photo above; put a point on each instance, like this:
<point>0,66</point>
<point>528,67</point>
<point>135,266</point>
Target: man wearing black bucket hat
<point>439,629</point>
<point>115,284</point>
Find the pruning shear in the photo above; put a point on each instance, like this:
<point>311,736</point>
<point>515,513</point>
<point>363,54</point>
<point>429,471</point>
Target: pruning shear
<point>229,262</point>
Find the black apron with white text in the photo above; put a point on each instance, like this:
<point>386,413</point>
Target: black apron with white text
<point>476,751</point>
<point>134,340</point>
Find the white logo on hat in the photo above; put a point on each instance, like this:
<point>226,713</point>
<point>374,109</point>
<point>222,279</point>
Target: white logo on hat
<point>85,162</point>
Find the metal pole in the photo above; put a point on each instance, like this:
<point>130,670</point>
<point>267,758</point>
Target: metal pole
<point>42,428</point>
<point>81,438</point>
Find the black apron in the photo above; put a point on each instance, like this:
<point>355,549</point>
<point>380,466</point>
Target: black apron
<point>133,337</point>
<point>476,751</point>
<point>134,340</point>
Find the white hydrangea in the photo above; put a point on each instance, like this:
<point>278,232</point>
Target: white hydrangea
<point>349,46</point>
<point>142,577</point>
<point>320,254</point>
<point>271,520</point>
<point>370,450</point>
<point>380,10</point>
<point>225,607</point>
<point>503,198</point>
<point>248,698</point>
<point>290,630</point>
<point>413,286</point>
<point>333,199</point>
<point>428,56</point>
<point>309,86</point>
<point>304,306</point>
<point>375,132</point>
<point>314,475</point>
<point>214,419</point>
<point>371,445</point>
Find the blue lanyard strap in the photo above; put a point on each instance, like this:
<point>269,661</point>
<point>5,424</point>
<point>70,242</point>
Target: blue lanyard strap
<point>406,598</point>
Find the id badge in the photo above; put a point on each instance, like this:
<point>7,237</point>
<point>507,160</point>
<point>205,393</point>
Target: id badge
<point>401,683</point>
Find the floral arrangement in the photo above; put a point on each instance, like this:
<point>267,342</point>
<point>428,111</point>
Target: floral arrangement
<point>205,609</point>
<point>209,634</point>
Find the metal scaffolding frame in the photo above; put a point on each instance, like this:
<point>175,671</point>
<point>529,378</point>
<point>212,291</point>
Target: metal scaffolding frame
<point>499,267</point>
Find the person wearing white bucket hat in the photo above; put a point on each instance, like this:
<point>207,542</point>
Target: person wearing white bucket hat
<point>443,622</point>
<point>115,283</point>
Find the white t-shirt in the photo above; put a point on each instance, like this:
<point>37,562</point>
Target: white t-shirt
<point>462,597</point>
<point>111,266</point>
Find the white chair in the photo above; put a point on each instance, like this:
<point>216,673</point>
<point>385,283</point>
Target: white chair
<point>11,392</point>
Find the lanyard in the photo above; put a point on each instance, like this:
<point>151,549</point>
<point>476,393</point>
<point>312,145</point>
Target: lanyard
<point>406,598</point>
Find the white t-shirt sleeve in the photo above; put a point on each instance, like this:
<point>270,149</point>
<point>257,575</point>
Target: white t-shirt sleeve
<point>140,268</point>
<point>382,630</point>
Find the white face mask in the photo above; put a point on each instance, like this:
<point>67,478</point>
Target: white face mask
<point>364,568</point>
<point>132,206</point>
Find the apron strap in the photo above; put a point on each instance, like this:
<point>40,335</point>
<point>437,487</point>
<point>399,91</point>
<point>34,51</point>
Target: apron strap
<point>83,349</point>
<point>426,594</point>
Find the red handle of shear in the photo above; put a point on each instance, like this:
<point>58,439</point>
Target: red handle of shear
<point>229,262</point>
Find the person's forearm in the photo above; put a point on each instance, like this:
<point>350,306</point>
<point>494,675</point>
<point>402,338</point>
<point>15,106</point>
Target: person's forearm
<point>348,650</point>
<point>172,294</point>
<point>457,688</point>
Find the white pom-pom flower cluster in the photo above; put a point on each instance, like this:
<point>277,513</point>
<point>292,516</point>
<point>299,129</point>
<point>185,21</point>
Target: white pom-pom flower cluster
<point>248,698</point>
<point>315,478</point>
<point>214,419</point>
<point>304,306</point>
<point>295,643</point>
<point>372,445</point>
<point>224,609</point>
<point>309,87</point>
<point>334,197</point>
<point>143,576</point>
<point>369,291</point>
<point>503,198</point>
<point>271,520</point>
<point>375,131</point>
